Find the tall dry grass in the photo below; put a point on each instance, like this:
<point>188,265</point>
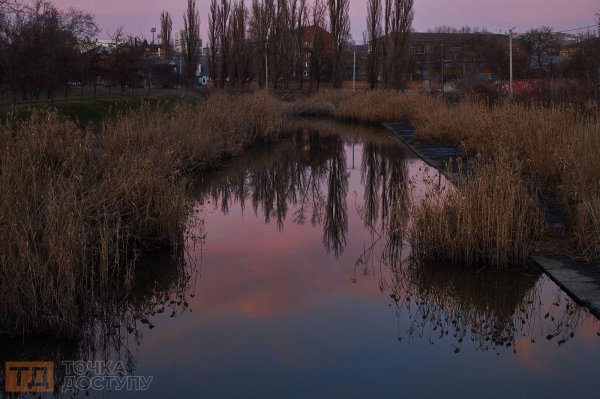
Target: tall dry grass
<point>558,145</point>
<point>488,219</point>
<point>77,207</point>
<point>372,107</point>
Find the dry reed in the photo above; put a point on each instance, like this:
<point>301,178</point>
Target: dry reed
<point>558,145</point>
<point>489,219</point>
<point>76,207</point>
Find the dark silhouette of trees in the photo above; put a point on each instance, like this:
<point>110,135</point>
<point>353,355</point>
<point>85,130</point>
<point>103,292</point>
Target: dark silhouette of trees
<point>240,55</point>
<point>339,24</point>
<point>213,39</point>
<point>190,43</point>
<point>126,62</point>
<point>398,22</point>
<point>318,62</point>
<point>41,46</point>
<point>166,33</point>
<point>261,26</point>
<point>584,66</point>
<point>223,13</point>
<point>539,43</point>
<point>373,40</point>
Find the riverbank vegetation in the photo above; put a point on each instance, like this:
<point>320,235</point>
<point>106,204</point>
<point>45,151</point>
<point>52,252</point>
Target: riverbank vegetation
<point>77,207</point>
<point>79,203</point>
<point>551,152</point>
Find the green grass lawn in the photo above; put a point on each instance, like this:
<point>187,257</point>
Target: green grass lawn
<point>87,112</point>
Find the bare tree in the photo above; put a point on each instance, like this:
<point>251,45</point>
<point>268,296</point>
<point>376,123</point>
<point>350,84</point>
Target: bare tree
<point>239,52</point>
<point>398,21</point>
<point>223,13</point>
<point>191,42</point>
<point>401,24</point>
<point>213,38</point>
<point>42,46</point>
<point>374,31</point>
<point>319,62</point>
<point>299,18</point>
<point>584,67</point>
<point>339,23</point>
<point>539,43</point>
<point>166,32</point>
<point>261,25</point>
<point>280,44</point>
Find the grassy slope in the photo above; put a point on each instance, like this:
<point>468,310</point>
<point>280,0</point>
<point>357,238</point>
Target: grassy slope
<point>87,112</point>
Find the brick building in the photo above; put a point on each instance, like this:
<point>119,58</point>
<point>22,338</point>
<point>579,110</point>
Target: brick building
<point>472,56</point>
<point>317,46</point>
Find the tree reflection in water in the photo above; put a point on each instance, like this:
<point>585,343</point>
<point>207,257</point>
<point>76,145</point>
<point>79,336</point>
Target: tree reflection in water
<point>308,173</point>
<point>162,284</point>
<point>492,310</point>
<point>306,179</point>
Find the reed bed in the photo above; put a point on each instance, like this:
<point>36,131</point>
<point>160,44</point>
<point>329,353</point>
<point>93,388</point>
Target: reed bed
<point>77,207</point>
<point>557,145</point>
<point>489,219</point>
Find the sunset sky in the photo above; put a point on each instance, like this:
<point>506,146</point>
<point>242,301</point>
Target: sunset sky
<point>138,16</point>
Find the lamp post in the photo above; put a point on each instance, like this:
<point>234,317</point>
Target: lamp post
<point>443,70</point>
<point>354,73</point>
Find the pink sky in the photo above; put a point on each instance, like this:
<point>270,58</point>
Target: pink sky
<point>138,16</point>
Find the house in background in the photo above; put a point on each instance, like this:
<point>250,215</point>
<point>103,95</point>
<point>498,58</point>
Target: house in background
<point>317,46</point>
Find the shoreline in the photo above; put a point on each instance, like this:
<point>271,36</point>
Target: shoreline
<point>579,279</point>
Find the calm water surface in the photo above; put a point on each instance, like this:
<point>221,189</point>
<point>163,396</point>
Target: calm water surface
<point>295,285</point>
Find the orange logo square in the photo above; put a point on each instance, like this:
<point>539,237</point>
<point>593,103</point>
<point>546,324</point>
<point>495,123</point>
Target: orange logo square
<point>29,376</point>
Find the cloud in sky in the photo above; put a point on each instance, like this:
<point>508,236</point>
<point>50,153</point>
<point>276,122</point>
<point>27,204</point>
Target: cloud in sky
<point>138,16</point>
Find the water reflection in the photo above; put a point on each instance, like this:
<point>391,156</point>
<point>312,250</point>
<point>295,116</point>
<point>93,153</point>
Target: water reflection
<point>301,254</point>
<point>310,175</point>
<point>494,311</point>
<point>124,313</point>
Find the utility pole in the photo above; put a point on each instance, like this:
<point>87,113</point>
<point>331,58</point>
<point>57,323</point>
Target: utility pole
<point>442,69</point>
<point>510,45</point>
<point>267,65</point>
<point>354,73</point>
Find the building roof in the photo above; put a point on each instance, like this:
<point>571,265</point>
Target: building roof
<point>452,37</point>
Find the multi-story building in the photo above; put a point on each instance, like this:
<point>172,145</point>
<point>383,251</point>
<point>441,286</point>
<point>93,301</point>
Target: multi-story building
<point>317,46</point>
<point>180,42</point>
<point>474,56</point>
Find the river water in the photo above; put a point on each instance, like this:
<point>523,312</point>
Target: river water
<point>296,284</point>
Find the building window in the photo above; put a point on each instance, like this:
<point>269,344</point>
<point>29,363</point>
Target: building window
<point>419,49</point>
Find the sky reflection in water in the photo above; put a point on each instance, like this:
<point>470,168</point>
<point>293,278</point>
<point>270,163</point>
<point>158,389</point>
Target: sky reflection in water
<point>301,292</point>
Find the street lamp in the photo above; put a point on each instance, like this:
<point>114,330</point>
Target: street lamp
<point>354,73</point>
